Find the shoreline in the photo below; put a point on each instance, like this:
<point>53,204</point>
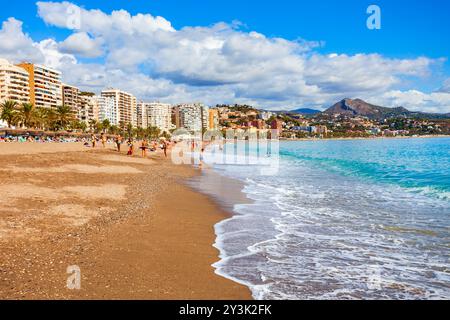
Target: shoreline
<point>365,138</point>
<point>122,227</point>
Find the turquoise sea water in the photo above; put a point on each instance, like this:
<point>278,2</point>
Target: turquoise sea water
<point>419,165</point>
<point>353,219</point>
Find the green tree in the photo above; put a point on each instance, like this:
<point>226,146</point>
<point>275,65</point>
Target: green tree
<point>64,116</point>
<point>153,132</point>
<point>26,115</point>
<point>93,125</point>
<point>9,112</point>
<point>106,125</point>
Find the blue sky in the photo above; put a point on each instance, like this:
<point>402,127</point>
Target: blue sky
<point>410,29</point>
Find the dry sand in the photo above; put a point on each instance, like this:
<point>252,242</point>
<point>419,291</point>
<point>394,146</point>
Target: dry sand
<point>132,226</point>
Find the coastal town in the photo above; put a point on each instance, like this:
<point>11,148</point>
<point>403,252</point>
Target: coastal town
<point>34,97</point>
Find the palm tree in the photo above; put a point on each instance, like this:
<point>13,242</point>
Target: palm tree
<point>114,129</point>
<point>45,118</point>
<point>64,116</point>
<point>93,125</point>
<point>26,115</point>
<point>153,132</point>
<point>106,125</point>
<point>130,130</point>
<point>78,125</point>
<point>9,110</point>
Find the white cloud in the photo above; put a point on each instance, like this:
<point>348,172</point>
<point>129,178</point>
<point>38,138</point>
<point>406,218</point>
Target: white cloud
<point>414,100</point>
<point>82,44</point>
<point>15,44</point>
<point>145,55</point>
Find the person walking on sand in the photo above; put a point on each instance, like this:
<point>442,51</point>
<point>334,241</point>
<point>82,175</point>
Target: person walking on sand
<point>93,140</point>
<point>130,147</point>
<point>103,138</point>
<point>144,147</point>
<point>118,142</point>
<point>164,146</point>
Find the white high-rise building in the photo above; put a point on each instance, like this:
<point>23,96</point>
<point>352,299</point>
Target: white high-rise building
<point>155,114</point>
<point>205,117</point>
<point>125,106</point>
<point>193,117</point>
<point>14,83</point>
<point>107,109</point>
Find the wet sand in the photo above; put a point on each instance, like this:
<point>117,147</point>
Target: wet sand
<point>132,226</point>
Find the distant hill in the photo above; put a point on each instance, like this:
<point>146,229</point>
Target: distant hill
<point>306,111</point>
<point>358,107</point>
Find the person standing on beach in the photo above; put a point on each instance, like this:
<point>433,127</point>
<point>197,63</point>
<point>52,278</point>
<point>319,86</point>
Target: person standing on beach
<point>130,147</point>
<point>93,140</point>
<point>144,147</point>
<point>164,146</point>
<point>118,142</point>
<point>103,137</point>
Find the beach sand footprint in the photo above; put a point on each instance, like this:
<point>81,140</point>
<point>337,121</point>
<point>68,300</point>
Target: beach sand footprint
<point>76,215</point>
<point>131,160</point>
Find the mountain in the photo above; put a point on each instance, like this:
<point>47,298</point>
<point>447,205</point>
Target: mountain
<point>358,107</point>
<point>306,111</point>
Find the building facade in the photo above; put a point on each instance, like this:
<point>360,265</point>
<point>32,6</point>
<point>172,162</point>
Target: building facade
<point>88,108</point>
<point>14,83</point>
<point>45,85</point>
<point>71,97</point>
<point>214,119</point>
<point>193,117</point>
<point>155,114</point>
<point>107,109</point>
<point>125,106</point>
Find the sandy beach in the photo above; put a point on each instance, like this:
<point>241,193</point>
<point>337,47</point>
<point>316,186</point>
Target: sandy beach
<point>132,226</point>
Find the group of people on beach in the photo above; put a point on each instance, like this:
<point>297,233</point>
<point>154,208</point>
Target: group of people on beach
<point>40,139</point>
<point>93,141</point>
<point>145,145</point>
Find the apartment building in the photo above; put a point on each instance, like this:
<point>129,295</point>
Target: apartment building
<point>125,106</point>
<point>140,106</point>
<point>214,119</point>
<point>45,85</point>
<point>88,109</point>
<point>193,117</point>
<point>107,109</point>
<point>71,97</point>
<point>13,83</point>
<point>156,114</point>
<point>205,117</point>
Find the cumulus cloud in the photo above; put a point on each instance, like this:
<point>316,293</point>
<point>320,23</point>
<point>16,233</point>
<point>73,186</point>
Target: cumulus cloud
<point>82,44</point>
<point>147,56</point>
<point>414,100</point>
<point>15,44</point>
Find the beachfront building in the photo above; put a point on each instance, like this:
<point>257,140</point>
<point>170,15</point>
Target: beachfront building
<point>156,114</point>
<point>213,119</point>
<point>205,117</point>
<point>140,115</point>
<point>13,83</point>
<point>45,85</point>
<point>193,117</point>
<point>107,109</point>
<point>71,97</point>
<point>125,106</point>
<point>89,109</point>
<point>277,125</point>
